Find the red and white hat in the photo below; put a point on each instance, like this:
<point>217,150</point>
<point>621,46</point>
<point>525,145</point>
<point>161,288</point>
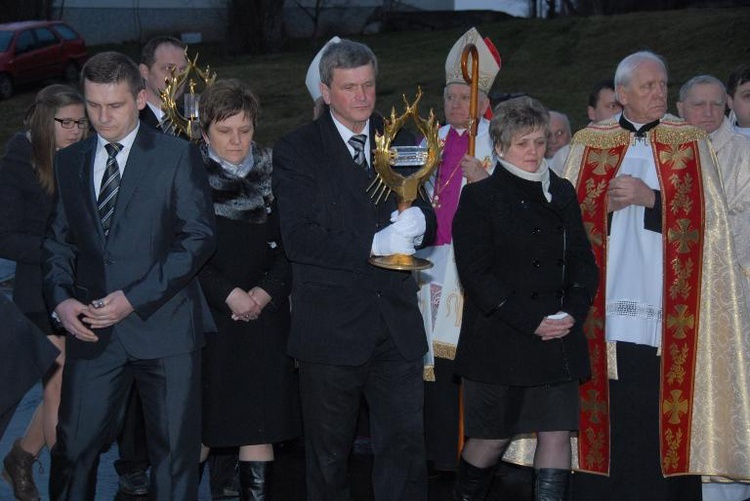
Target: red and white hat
<point>489,60</point>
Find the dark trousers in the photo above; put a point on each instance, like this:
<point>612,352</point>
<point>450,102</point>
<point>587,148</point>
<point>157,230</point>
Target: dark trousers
<point>441,410</point>
<point>93,395</point>
<point>131,441</point>
<point>635,467</point>
<point>393,389</point>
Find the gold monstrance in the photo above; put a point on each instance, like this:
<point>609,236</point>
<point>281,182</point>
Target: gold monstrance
<point>406,188</point>
<point>187,122</point>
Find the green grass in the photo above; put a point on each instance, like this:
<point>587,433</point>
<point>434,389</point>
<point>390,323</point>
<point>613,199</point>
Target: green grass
<point>555,61</point>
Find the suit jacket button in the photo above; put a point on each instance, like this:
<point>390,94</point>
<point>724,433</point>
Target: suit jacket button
<point>536,230</point>
<point>534,295</point>
<point>561,262</point>
<point>109,261</point>
<point>536,264</point>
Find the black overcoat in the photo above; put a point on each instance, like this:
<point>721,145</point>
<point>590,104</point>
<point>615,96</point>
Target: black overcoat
<point>327,224</point>
<point>24,209</point>
<point>250,389</point>
<point>520,258</point>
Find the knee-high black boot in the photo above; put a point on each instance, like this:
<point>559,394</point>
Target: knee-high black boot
<point>255,480</point>
<point>472,483</point>
<point>551,484</point>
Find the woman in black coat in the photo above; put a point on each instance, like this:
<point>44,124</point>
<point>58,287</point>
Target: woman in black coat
<point>529,275</point>
<point>250,396</point>
<point>56,119</point>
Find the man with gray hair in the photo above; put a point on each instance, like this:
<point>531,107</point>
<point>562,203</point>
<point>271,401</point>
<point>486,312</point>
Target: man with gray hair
<point>667,328</point>
<point>356,328</point>
<point>701,103</point>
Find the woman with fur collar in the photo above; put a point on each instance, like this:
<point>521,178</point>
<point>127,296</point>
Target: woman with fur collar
<point>250,395</point>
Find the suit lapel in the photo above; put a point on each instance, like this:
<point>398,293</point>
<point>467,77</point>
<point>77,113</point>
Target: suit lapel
<point>135,168</point>
<point>86,178</point>
<point>344,169</point>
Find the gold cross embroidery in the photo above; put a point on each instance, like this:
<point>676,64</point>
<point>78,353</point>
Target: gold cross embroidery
<point>683,235</point>
<point>680,322</point>
<point>594,405</point>
<point>676,156</point>
<point>675,406</point>
<point>604,161</point>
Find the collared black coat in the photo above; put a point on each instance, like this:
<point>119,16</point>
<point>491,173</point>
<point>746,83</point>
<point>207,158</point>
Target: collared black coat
<point>521,258</point>
<point>24,209</point>
<point>327,225</point>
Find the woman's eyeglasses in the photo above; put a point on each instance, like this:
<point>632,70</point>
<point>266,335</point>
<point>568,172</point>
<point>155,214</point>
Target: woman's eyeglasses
<point>69,123</point>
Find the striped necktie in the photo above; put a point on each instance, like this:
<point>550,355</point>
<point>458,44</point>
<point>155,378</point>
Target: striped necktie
<point>110,187</point>
<point>358,143</point>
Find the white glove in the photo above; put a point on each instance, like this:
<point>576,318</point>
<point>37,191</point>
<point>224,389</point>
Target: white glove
<point>409,223</point>
<point>389,241</point>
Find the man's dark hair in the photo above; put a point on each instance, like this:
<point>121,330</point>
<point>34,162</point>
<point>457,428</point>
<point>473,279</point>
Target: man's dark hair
<point>112,68</point>
<point>345,55</point>
<point>148,52</point>
<point>740,75</point>
<point>608,83</point>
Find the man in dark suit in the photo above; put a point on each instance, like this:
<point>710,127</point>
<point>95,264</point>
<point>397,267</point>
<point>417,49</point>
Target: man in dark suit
<point>356,329</point>
<point>132,224</point>
<point>159,57</point>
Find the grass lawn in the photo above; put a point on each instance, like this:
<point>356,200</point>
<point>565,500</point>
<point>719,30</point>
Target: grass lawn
<point>556,61</point>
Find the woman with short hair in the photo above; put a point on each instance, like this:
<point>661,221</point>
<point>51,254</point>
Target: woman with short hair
<point>529,276</point>
<point>250,396</point>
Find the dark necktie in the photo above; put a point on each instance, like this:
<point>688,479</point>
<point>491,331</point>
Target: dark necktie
<point>358,143</point>
<point>110,187</point>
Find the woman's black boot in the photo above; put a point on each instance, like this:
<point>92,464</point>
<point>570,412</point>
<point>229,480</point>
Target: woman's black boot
<point>473,483</point>
<point>551,484</point>
<point>255,480</point>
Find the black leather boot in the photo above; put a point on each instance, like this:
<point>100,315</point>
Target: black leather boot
<point>255,480</point>
<point>472,484</point>
<point>551,484</point>
<point>17,472</point>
